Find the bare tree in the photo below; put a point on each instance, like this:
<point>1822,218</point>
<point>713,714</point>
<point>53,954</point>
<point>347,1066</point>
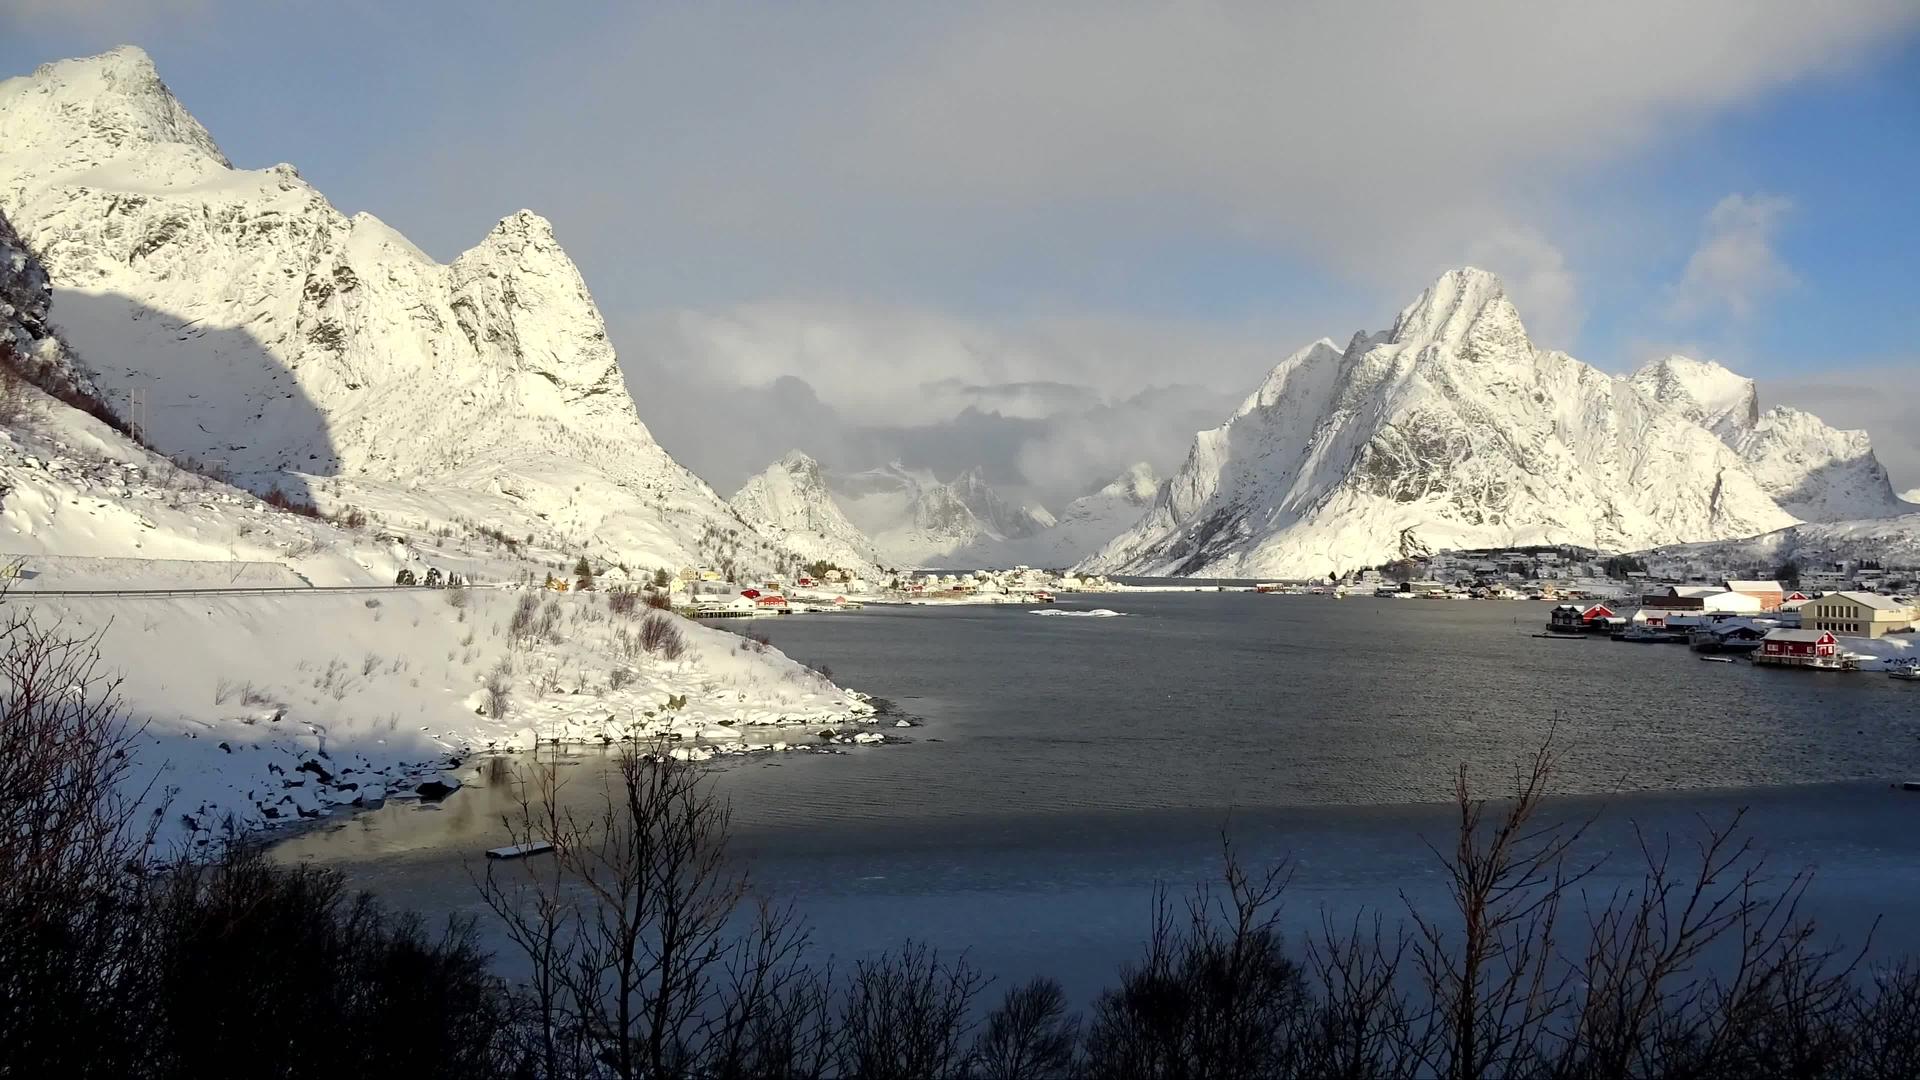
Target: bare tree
<point>906,1015</point>
<point>1030,1036</point>
<point>641,968</point>
<point>1493,991</point>
<point>1216,995</point>
<point>70,851</point>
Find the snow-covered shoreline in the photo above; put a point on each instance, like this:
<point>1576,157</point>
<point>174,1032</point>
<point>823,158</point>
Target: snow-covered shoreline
<point>257,710</point>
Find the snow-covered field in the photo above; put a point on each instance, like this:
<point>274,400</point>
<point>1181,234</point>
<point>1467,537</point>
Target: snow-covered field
<point>270,708</point>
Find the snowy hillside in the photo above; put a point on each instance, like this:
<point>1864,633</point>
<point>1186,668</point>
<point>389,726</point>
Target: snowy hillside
<point>1084,527</point>
<point>377,692</point>
<point>474,408</point>
<point>1813,471</point>
<point>1448,430</point>
<point>915,520</point>
<point>790,503</point>
<point>239,319</point>
<point>1890,541</point>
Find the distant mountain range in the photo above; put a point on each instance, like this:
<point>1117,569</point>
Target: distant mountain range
<point>250,330</point>
<point>1451,429</point>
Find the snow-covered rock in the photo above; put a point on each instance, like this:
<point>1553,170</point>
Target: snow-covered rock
<point>790,502</point>
<point>290,345</point>
<point>1084,527</point>
<point>915,520</point>
<point>1448,430</point>
<point>1813,471</point>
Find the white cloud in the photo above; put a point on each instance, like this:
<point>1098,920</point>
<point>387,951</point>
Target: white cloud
<point>1735,268</point>
<point>928,154</point>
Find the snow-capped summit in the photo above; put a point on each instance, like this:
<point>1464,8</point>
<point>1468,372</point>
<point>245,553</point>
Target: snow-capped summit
<point>790,502</point>
<point>290,345</point>
<point>1465,311</point>
<point>1812,470</point>
<point>73,113</point>
<point>1448,430</point>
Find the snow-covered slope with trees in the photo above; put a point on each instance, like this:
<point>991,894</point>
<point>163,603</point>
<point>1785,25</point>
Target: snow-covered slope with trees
<point>790,503</point>
<point>240,320</point>
<point>1813,471</point>
<point>1084,527</point>
<point>1448,430</point>
<point>915,520</point>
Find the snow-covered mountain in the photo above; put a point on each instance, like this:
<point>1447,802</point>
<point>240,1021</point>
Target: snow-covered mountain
<point>1084,527</point>
<point>1448,430</point>
<point>915,520</point>
<point>1813,471</point>
<point>240,320</point>
<point>790,502</point>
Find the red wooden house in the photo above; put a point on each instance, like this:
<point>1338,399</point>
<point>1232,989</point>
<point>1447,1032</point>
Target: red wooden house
<point>1799,648</point>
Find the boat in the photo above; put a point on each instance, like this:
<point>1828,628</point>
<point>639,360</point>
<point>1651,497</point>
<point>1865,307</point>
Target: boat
<point>1644,635</point>
<point>1717,659</point>
<point>1905,672</point>
<point>520,851</point>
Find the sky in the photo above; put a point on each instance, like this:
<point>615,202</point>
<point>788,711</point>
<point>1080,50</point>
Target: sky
<point>1054,239</point>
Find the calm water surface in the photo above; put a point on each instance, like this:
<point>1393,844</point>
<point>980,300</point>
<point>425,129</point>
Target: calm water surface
<point>1066,765</point>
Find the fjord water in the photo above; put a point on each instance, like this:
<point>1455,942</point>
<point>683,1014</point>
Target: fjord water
<point>1066,765</point>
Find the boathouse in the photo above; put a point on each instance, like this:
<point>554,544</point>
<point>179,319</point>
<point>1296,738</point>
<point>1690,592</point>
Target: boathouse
<point>1799,648</point>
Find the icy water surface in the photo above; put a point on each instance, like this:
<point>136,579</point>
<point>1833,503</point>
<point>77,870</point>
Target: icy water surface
<point>1066,765</point>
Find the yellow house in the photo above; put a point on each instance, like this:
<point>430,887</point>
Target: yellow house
<point>1856,614</point>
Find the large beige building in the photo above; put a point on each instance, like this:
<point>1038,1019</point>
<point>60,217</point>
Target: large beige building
<point>1855,614</point>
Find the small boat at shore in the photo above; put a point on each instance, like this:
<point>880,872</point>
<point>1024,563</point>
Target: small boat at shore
<point>520,851</point>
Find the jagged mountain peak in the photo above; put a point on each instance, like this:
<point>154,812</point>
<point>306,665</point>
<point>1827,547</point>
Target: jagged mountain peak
<point>1449,430</point>
<point>799,463</point>
<point>790,501</point>
<point>87,110</point>
<point>1465,310</point>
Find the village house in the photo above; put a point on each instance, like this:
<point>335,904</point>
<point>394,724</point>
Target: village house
<point>1571,619</point>
<point>1857,614</point>
<point>1769,593</point>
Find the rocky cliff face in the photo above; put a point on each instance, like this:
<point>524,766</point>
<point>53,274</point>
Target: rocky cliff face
<point>1813,471</point>
<point>1449,429</point>
<point>790,503</point>
<point>289,344</point>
